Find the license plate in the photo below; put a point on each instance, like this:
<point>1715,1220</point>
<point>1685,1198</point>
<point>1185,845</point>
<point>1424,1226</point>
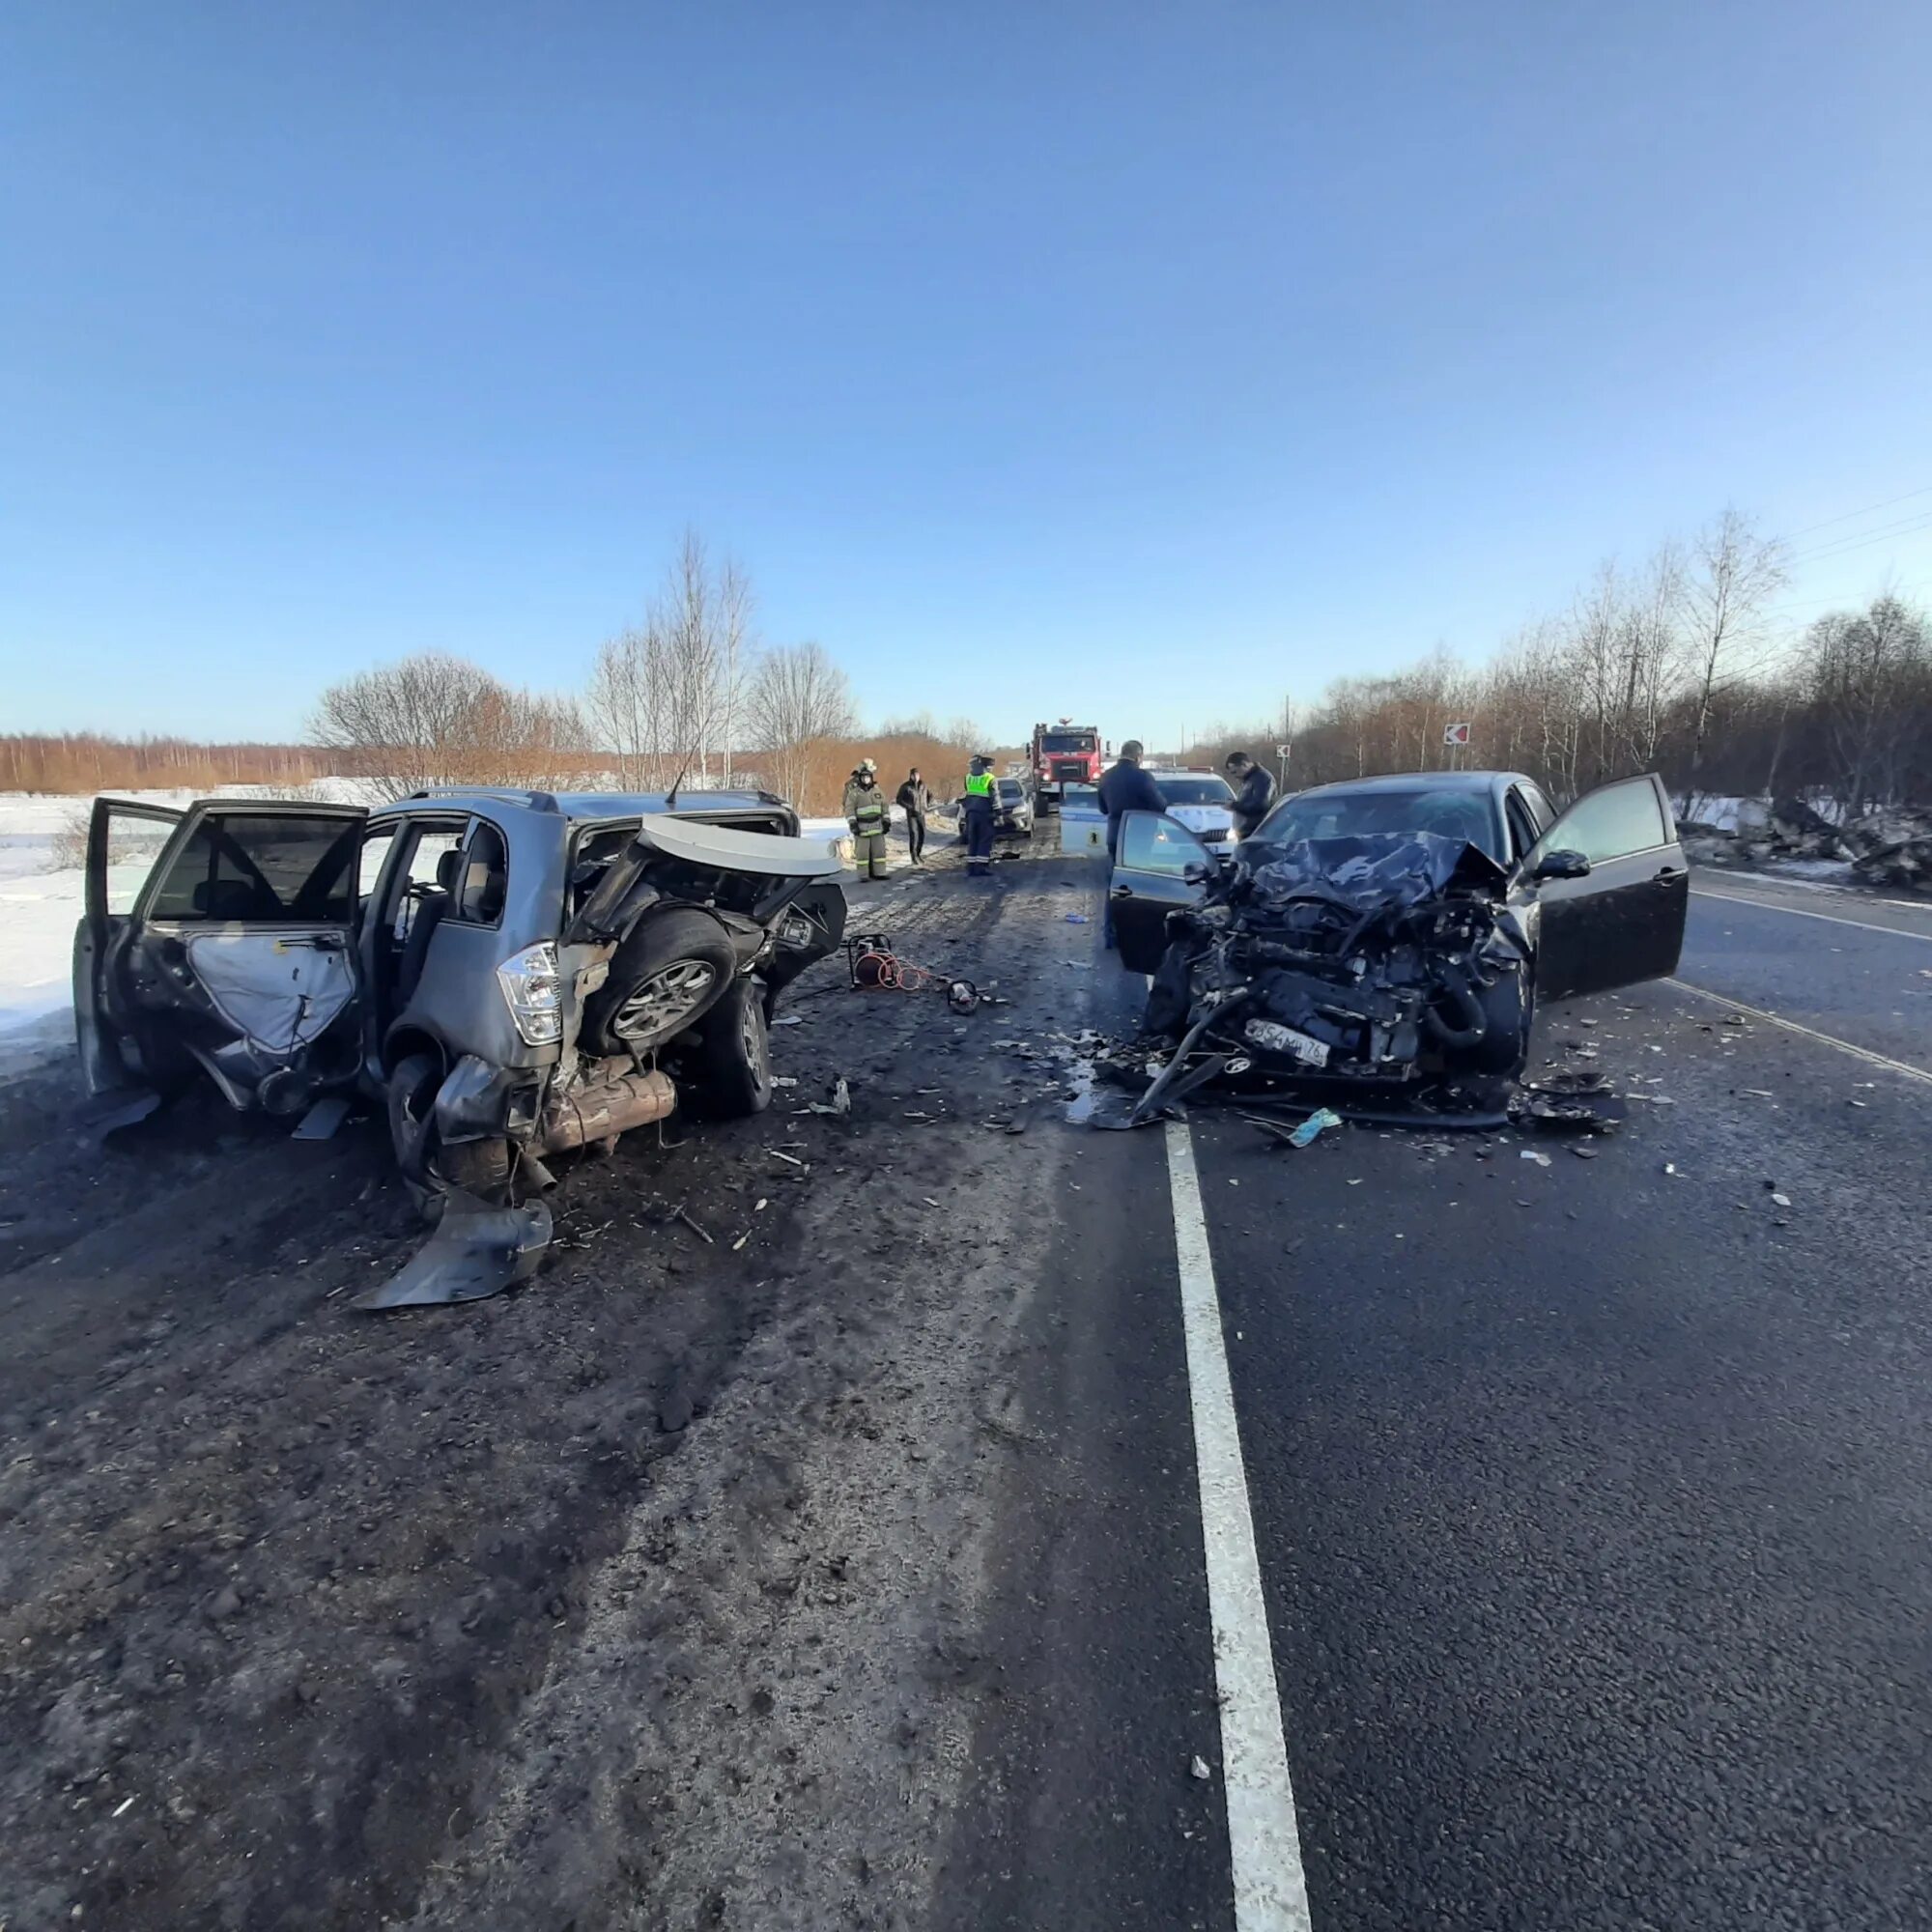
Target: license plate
<point>1278,1038</point>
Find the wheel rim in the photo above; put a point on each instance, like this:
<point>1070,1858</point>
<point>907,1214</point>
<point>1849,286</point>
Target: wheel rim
<point>665,1001</point>
<point>751,1034</point>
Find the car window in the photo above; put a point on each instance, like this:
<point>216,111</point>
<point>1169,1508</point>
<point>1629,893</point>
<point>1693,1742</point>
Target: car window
<point>261,866</point>
<point>1151,844</point>
<point>1523,827</point>
<point>1349,815</point>
<point>1611,823</point>
<point>1010,788</point>
<point>375,845</point>
<point>1540,807</point>
<point>479,899</point>
<point>1205,790</point>
<point>426,856</point>
<point>1080,798</point>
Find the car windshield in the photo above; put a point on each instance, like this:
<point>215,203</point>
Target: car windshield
<point>1066,740</point>
<point>1347,813</point>
<point>1080,798</point>
<point>1205,789</point>
<point>1009,790</point>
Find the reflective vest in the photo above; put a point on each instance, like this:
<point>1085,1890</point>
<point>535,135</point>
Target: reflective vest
<point>869,811</point>
<point>980,785</point>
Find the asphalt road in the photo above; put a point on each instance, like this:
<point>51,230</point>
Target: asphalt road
<point>1590,1497</point>
<point>856,1572</point>
<point>1846,963</point>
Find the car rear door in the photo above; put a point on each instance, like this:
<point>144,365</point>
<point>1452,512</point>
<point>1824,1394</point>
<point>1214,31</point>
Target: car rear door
<point>1623,922</point>
<point>1149,880</point>
<point>125,842</point>
<point>245,921</point>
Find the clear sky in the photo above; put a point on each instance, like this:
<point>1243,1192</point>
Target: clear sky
<point>1131,361</point>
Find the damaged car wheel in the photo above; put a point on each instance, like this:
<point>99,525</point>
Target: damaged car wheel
<point>412,1098</point>
<point>735,1075</point>
<point>668,973</point>
<point>1508,1007</point>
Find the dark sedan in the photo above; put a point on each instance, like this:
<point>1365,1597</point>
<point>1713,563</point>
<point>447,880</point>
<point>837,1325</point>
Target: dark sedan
<point>1595,897</point>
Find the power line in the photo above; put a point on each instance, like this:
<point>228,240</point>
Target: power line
<point>1868,511</point>
<point>1906,526</point>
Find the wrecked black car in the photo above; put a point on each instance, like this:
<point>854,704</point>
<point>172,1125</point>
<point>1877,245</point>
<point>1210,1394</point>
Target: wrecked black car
<point>1399,927</point>
<point>512,973</point>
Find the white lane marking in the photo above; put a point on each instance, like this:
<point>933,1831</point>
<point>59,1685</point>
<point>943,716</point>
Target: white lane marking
<point>1799,912</point>
<point>1864,1053</point>
<point>1270,1892</point>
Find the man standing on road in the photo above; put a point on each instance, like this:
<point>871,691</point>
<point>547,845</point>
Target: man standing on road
<point>1254,792</point>
<point>1124,788</point>
<point>867,813</point>
<point>978,811</point>
<point>913,800</point>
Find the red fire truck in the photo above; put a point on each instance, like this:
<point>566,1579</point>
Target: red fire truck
<point>1064,755</point>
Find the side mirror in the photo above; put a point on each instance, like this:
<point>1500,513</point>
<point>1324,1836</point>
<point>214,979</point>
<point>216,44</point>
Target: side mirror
<point>1563,865</point>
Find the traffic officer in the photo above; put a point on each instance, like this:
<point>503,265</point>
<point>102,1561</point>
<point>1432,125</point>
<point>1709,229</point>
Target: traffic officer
<point>869,814</point>
<point>978,811</point>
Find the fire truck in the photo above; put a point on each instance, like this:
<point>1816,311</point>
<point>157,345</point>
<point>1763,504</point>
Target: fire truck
<point>1064,753</point>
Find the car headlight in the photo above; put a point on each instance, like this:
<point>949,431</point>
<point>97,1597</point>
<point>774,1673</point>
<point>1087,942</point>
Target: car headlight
<point>534,992</point>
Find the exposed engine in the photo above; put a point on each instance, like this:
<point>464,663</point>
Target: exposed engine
<point>1363,957</point>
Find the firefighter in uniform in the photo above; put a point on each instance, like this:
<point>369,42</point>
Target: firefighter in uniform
<point>869,814</point>
<point>978,811</point>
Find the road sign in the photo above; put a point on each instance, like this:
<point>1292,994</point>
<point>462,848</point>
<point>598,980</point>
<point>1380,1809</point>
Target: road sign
<point>1456,734</point>
<point>1282,750</point>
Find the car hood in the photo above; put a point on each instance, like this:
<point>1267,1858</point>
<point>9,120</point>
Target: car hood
<point>766,854</point>
<point>1381,868</point>
<point>1202,817</point>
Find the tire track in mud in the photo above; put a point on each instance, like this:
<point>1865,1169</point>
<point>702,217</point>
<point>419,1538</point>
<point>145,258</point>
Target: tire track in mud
<point>778,1739</point>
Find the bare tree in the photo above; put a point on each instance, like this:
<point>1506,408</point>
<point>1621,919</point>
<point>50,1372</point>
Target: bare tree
<point>629,701</point>
<point>1734,574</point>
<point>407,724</point>
<point>1871,673</point>
<point>798,698</point>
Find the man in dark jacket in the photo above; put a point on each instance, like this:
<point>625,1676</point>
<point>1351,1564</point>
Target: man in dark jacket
<point>913,800</point>
<point>1254,792</point>
<point>1124,788</point>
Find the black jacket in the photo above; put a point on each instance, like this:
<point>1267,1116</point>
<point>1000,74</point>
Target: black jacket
<point>1252,801</point>
<point>912,797</point>
<point>1124,788</point>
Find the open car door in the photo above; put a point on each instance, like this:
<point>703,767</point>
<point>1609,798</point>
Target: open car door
<point>123,842</point>
<point>1149,881</point>
<point>235,953</point>
<point>1613,890</point>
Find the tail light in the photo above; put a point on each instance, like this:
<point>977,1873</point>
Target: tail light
<point>534,992</point>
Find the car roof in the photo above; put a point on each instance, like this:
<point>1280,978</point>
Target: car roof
<point>1486,784</point>
<point>584,805</point>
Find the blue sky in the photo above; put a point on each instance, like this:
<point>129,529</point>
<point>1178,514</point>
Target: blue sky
<point>1134,361</point>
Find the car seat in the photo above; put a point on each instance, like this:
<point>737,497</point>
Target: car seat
<point>431,907</point>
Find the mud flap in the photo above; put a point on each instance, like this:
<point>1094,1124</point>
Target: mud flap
<point>476,1251</point>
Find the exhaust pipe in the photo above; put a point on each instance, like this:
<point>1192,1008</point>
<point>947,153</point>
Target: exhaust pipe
<point>602,1108</point>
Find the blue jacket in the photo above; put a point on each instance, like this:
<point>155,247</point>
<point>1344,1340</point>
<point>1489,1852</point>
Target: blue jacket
<point>1252,801</point>
<point>1124,788</point>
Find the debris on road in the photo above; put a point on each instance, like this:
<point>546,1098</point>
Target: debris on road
<point>1318,1123</point>
<point>477,1250</point>
<point>1533,1153</point>
<point>1199,1768</point>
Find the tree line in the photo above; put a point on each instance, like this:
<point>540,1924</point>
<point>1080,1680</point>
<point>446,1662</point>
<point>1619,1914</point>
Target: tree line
<point>1679,665</point>
<point>688,696</point>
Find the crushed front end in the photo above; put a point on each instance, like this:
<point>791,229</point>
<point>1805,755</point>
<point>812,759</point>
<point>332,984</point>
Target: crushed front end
<point>1376,959</point>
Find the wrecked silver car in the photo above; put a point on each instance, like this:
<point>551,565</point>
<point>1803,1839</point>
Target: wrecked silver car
<point>1398,927</point>
<point>512,973</point>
